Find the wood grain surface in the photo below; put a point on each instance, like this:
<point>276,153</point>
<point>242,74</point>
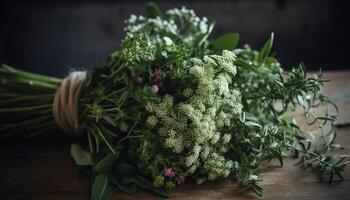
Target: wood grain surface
<point>44,170</point>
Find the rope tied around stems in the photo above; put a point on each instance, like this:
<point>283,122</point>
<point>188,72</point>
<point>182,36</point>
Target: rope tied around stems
<point>65,103</point>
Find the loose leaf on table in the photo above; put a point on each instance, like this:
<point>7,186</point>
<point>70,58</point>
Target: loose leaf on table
<point>80,155</point>
<point>106,164</point>
<point>101,188</point>
<point>228,42</point>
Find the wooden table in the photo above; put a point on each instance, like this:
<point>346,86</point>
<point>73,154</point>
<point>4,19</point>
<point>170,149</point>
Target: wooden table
<point>44,170</point>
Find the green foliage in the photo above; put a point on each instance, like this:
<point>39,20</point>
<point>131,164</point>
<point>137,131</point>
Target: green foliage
<point>265,50</point>
<point>266,84</point>
<point>172,104</point>
<point>153,10</point>
<point>226,42</point>
<point>80,156</point>
<point>101,188</point>
<point>106,164</point>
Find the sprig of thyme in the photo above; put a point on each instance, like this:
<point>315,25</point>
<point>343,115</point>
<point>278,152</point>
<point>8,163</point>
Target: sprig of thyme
<point>269,92</point>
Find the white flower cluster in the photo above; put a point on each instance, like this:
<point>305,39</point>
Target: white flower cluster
<point>196,128</point>
<point>190,16</point>
<point>138,47</point>
<point>175,21</point>
<point>152,120</point>
<point>217,166</point>
<point>136,23</point>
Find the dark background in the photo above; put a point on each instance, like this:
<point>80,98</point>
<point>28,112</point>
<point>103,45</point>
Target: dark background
<point>52,37</point>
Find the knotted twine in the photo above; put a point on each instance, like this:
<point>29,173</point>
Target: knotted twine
<point>65,103</point>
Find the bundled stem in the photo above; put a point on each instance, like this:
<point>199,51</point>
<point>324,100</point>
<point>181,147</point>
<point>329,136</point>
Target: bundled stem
<point>26,103</point>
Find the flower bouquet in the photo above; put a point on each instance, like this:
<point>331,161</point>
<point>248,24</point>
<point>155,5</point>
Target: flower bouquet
<point>173,105</point>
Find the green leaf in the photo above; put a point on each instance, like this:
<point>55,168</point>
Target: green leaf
<point>241,63</point>
<point>226,42</point>
<point>153,10</point>
<point>106,164</point>
<point>252,124</point>
<point>265,50</point>
<point>144,184</point>
<point>123,169</point>
<point>81,156</point>
<point>101,188</point>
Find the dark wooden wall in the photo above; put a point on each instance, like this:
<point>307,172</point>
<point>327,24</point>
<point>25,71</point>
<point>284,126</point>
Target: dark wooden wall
<point>53,36</point>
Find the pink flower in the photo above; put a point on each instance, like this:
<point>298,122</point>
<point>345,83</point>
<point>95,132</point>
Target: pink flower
<point>155,88</point>
<point>168,172</point>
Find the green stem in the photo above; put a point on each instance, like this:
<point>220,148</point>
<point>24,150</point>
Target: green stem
<point>28,99</point>
<point>105,140</point>
<point>111,94</point>
<point>129,133</point>
<point>30,76</point>
<point>90,142</point>
<point>24,109</point>
<point>23,83</point>
<point>27,123</point>
<point>116,71</point>
<point>48,129</point>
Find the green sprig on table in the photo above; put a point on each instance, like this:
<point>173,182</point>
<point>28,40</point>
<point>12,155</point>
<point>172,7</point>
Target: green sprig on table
<point>174,105</point>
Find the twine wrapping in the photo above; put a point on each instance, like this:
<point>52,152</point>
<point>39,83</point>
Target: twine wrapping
<point>65,104</point>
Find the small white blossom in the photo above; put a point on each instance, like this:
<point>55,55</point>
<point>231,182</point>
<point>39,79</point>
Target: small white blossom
<point>187,92</point>
<point>229,67</point>
<point>226,138</point>
<point>152,120</point>
<point>229,55</point>
<point>167,41</point>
